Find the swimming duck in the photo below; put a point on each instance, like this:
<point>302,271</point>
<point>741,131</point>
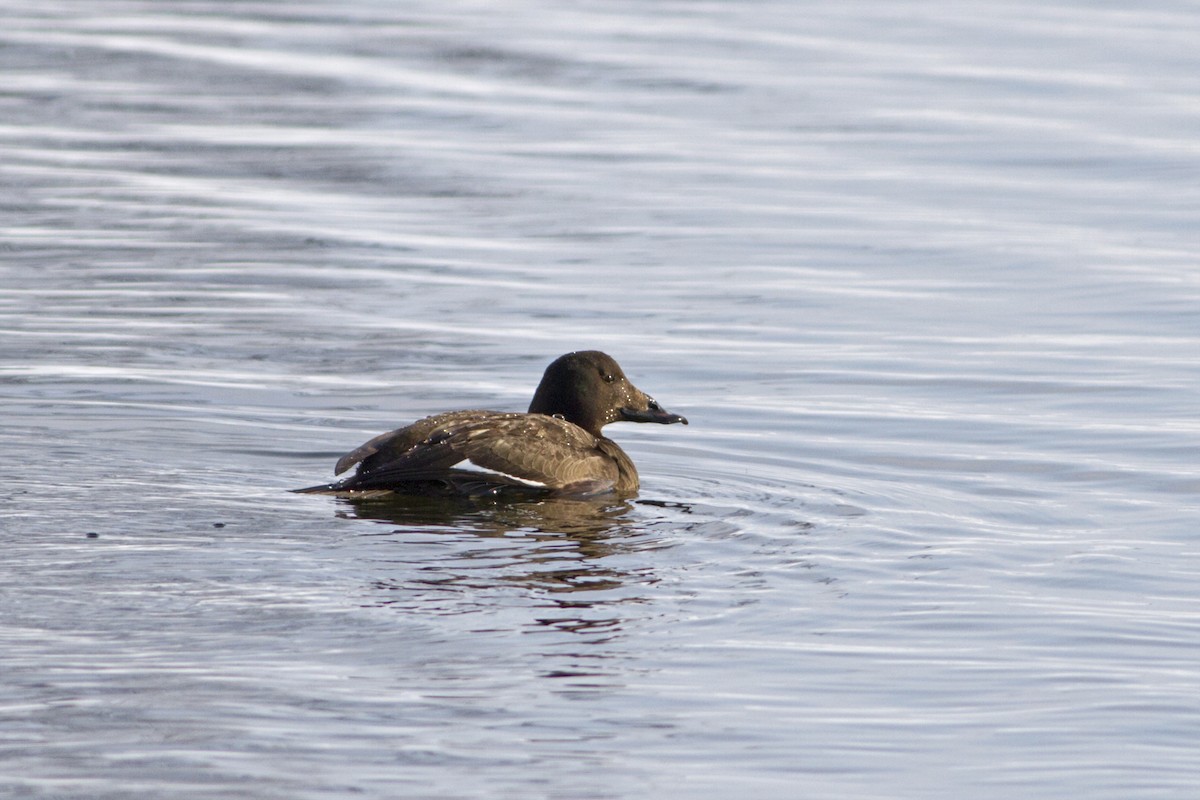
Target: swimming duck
<point>556,447</point>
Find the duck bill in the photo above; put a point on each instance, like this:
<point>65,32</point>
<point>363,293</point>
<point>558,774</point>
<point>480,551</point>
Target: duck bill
<point>652,413</point>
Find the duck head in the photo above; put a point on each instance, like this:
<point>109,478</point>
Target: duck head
<point>589,389</point>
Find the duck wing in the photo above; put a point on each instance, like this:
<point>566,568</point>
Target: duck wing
<point>391,445</point>
<point>488,447</point>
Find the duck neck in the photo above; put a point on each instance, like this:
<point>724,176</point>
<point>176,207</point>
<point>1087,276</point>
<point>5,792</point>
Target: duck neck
<point>554,404</point>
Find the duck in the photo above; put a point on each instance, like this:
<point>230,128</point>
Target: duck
<point>556,447</point>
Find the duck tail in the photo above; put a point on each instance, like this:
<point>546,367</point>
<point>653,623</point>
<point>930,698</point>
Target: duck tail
<point>324,488</point>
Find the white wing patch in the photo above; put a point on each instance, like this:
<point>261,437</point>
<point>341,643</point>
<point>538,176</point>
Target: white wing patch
<point>468,465</point>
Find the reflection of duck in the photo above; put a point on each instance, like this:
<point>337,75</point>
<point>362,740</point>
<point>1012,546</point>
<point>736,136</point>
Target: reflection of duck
<point>586,522</point>
<point>559,550</point>
<point>556,447</point>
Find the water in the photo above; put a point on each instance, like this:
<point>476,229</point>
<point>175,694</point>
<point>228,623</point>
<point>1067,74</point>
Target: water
<point>922,276</point>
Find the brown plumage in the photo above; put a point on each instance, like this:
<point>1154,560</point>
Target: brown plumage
<point>556,447</point>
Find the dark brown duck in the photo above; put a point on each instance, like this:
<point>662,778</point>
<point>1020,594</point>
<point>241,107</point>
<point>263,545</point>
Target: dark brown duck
<point>556,447</point>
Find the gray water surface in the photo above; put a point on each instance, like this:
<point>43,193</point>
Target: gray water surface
<point>923,276</point>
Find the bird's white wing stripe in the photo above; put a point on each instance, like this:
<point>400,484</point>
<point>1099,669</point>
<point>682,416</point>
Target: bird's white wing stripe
<point>470,466</point>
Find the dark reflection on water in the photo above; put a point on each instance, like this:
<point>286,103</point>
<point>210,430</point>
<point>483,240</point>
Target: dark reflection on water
<point>558,553</point>
<point>574,516</point>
